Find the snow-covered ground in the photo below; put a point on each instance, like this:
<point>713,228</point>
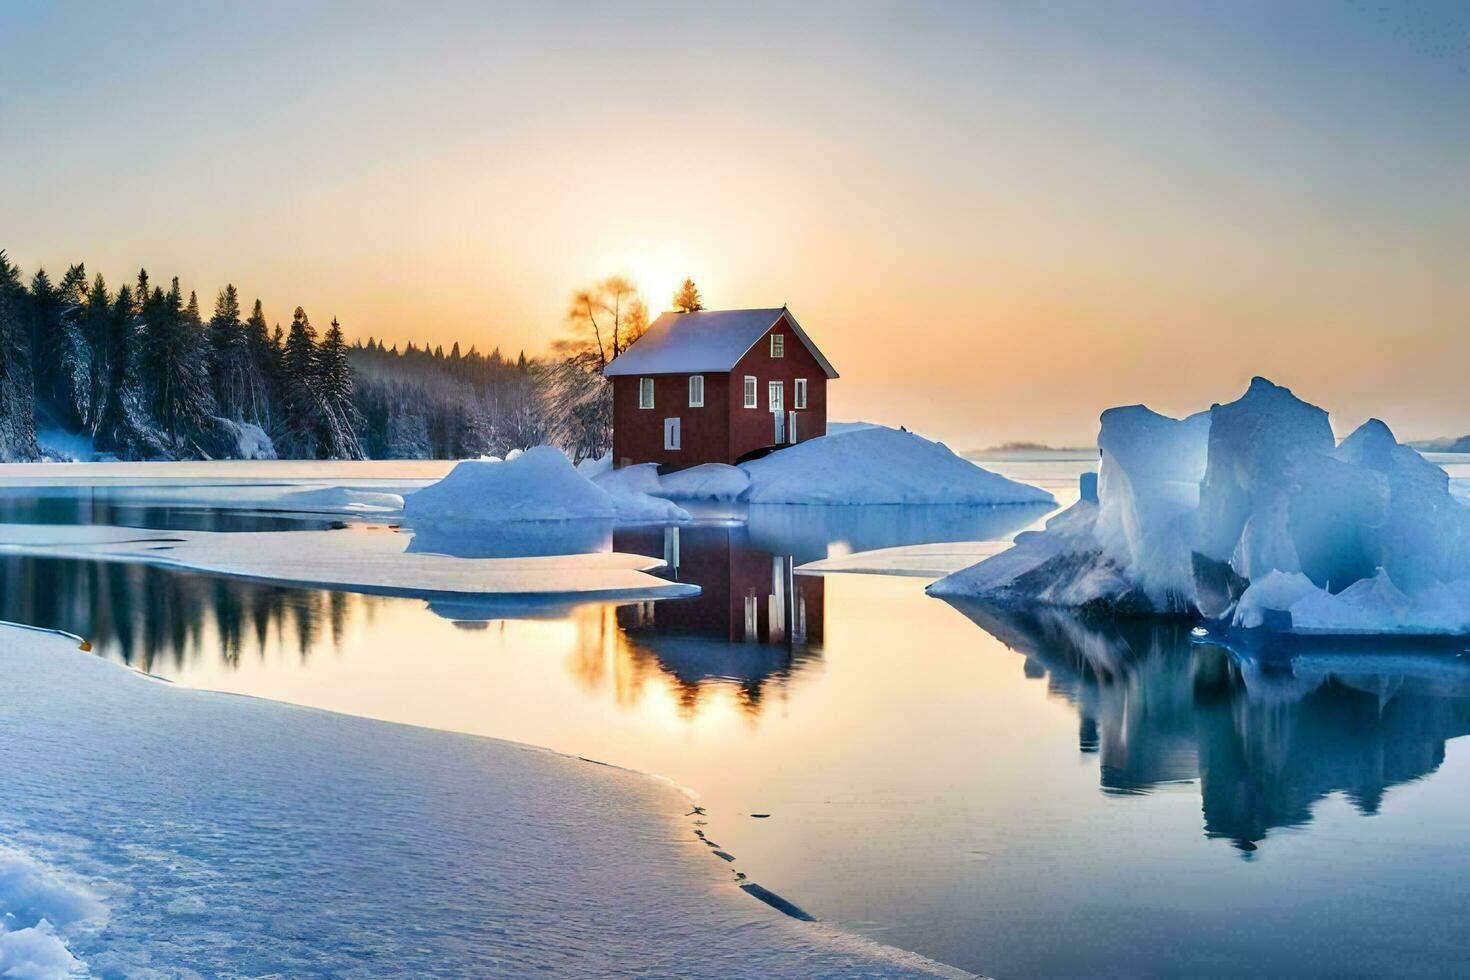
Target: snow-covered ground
<point>156,831</point>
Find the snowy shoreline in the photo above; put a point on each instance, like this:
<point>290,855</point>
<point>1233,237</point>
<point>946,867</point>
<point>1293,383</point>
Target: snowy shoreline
<point>174,830</point>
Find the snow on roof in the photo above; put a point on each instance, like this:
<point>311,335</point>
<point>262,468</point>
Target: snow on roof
<point>710,340</point>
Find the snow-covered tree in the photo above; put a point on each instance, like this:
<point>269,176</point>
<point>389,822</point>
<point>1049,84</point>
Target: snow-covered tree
<point>17,419</point>
<point>340,420</point>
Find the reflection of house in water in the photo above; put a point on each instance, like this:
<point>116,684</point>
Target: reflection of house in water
<point>754,620</point>
<point>1265,745</point>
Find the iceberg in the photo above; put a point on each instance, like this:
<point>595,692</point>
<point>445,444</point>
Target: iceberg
<point>1251,515</point>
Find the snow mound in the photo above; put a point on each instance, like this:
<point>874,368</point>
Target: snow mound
<point>878,465</point>
<point>1252,515</point>
<point>842,428</point>
<point>540,484</point>
<point>708,481</point>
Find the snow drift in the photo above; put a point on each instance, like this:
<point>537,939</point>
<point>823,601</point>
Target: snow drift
<point>1250,514</point>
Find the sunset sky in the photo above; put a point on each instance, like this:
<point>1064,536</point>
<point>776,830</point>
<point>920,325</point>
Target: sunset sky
<point>997,219</point>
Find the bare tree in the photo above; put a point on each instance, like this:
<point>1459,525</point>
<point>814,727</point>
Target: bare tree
<point>605,319</point>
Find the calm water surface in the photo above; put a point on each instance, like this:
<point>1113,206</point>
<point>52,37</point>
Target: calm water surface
<point>1016,795</point>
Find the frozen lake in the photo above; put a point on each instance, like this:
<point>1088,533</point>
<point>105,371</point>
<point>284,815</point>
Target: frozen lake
<point>1018,796</point>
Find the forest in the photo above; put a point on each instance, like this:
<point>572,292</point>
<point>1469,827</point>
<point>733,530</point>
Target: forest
<point>140,373</point>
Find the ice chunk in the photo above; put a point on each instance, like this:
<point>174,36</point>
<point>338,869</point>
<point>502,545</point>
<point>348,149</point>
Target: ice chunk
<point>1289,532</point>
<point>1148,492</point>
<point>878,465</point>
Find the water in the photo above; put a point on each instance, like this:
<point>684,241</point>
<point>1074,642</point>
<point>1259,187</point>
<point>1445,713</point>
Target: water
<point>1016,795</point>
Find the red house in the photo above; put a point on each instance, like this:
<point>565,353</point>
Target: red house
<point>716,386</point>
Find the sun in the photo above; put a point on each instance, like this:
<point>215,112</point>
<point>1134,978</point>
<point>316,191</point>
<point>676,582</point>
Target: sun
<point>658,271</point>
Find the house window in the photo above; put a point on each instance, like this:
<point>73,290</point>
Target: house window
<point>777,394</point>
<point>696,391</point>
<point>778,345</point>
<point>750,391</point>
<point>671,433</point>
<point>645,392</point>
<point>800,396</point>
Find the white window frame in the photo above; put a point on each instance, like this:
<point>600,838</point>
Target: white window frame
<point>673,434</point>
<point>645,392</point>
<point>798,395</point>
<point>774,389</point>
<point>696,391</point>
<point>752,391</point>
<point>778,345</point>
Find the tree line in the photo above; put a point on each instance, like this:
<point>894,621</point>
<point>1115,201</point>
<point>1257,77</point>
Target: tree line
<point>141,373</point>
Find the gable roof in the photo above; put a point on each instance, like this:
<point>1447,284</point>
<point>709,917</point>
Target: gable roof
<point>710,340</point>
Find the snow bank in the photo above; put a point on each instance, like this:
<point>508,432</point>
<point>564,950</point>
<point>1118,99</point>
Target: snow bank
<point>225,858</point>
<point>878,465</point>
<point>1252,515</point>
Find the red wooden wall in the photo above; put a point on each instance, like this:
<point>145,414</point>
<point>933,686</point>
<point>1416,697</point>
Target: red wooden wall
<point>724,429</point>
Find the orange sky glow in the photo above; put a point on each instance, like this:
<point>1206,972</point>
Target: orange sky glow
<point>995,222</point>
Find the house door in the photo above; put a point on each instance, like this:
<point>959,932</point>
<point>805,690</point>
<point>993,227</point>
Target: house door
<point>777,394</point>
<point>671,433</point>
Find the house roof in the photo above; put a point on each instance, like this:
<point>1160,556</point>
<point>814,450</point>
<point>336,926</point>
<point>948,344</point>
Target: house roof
<point>710,340</point>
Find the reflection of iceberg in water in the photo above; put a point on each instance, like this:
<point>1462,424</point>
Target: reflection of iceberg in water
<point>1265,740</point>
<point>753,623</point>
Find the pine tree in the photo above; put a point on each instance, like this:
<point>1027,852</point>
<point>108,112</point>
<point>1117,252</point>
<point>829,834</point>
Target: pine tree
<point>687,300</point>
<point>17,418</point>
<point>340,420</point>
<point>301,413</point>
<point>97,327</point>
<point>229,355</point>
<point>264,369</point>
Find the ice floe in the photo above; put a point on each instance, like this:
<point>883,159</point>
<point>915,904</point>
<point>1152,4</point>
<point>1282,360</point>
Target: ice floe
<point>1252,515</point>
<point>371,561</point>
